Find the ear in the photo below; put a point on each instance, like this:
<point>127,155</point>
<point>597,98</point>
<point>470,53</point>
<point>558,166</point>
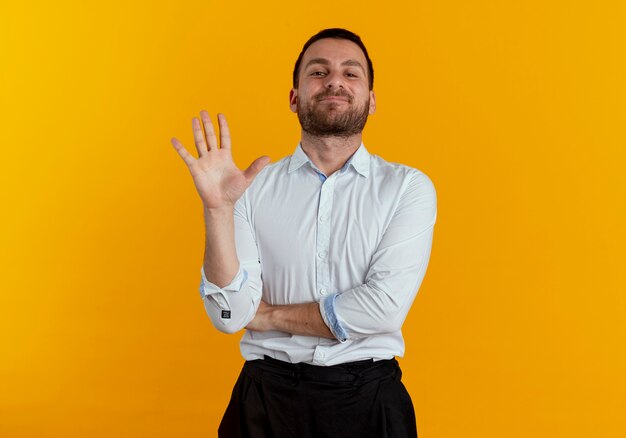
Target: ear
<point>372,109</point>
<point>293,100</point>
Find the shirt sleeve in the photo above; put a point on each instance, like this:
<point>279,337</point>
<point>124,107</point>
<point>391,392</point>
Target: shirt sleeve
<point>233,306</point>
<point>396,271</point>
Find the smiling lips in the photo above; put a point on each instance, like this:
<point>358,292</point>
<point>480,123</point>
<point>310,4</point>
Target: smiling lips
<point>334,97</point>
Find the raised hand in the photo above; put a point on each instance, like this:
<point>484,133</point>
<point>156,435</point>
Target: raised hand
<point>219,182</point>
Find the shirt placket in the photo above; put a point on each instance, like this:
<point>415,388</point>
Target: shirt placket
<point>322,248</point>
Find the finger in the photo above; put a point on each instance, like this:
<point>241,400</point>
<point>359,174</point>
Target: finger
<point>208,129</point>
<point>256,166</point>
<point>186,156</point>
<point>198,137</point>
<point>224,131</point>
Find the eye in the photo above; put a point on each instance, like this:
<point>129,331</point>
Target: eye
<point>318,73</point>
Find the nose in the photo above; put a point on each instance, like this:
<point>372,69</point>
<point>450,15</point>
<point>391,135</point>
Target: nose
<point>334,80</point>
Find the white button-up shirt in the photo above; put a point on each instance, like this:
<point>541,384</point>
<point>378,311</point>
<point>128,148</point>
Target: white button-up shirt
<point>357,242</point>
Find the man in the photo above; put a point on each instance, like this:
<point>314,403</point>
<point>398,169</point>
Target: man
<point>319,256</point>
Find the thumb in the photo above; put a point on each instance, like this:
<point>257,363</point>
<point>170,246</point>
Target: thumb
<point>256,166</point>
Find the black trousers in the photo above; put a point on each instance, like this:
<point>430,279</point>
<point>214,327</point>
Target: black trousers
<point>275,399</point>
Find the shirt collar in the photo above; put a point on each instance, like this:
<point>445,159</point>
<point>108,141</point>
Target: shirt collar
<point>360,160</point>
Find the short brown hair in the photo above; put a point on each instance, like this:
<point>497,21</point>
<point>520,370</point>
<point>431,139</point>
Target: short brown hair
<point>337,33</point>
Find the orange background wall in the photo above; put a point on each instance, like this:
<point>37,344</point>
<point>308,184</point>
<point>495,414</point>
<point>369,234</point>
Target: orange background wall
<point>516,110</point>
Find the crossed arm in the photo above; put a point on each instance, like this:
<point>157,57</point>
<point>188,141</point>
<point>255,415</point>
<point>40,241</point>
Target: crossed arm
<point>298,319</point>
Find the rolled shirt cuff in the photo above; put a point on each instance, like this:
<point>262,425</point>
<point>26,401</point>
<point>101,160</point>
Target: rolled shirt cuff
<point>208,288</point>
<point>327,309</point>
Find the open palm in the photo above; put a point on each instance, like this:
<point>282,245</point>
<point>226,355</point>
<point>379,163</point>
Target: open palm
<point>220,183</point>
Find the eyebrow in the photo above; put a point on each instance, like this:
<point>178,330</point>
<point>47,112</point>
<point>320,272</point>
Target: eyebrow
<point>324,61</point>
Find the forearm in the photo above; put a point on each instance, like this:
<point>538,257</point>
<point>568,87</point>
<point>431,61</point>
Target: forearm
<point>298,319</point>
<point>232,289</point>
<point>220,255</point>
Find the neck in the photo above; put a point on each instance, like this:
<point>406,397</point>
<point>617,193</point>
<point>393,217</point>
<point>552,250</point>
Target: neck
<point>329,154</point>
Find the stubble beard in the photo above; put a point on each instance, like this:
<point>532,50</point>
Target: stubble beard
<point>331,122</point>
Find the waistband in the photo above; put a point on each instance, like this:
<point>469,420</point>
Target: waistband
<point>350,372</point>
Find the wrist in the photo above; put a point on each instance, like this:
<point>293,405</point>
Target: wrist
<point>218,212</point>
<point>270,317</point>
<point>264,319</point>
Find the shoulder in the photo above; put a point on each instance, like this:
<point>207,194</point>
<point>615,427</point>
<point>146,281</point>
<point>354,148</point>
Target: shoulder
<point>409,178</point>
<point>271,172</point>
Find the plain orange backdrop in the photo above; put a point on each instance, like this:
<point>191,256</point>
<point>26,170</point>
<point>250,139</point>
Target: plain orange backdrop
<point>516,110</point>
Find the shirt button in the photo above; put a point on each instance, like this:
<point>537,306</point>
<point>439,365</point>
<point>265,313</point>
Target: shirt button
<point>322,254</point>
<point>322,218</point>
<point>321,355</point>
<point>323,291</point>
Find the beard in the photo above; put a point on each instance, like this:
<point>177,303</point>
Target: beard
<point>320,121</point>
